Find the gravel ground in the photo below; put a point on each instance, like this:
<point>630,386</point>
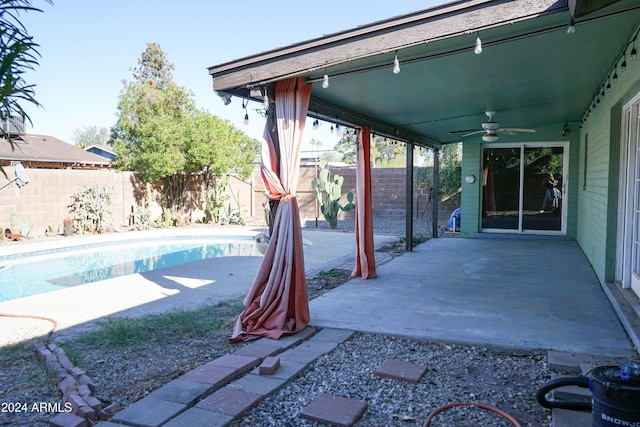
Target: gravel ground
<point>456,373</point>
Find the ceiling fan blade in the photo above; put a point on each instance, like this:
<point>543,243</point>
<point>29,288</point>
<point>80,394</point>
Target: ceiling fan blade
<point>462,131</point>
<point>513,131</point>
<point>472,133</point>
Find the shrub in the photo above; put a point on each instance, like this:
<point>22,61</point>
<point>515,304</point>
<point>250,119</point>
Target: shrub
<point>90,209</point>
<point>21,226</point>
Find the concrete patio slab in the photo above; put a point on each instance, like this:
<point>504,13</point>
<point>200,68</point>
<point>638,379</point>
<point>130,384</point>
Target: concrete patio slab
<point>523,294</point>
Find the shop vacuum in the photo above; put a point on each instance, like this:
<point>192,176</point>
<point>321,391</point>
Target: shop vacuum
<point>615,395</point>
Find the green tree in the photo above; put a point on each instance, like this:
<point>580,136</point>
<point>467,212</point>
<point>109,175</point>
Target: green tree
<point>387,153</point>
<point>346,145</point>
<point>90,135</point>
<point>162,135</point>
<point>18,54</point>
<point>384,152</point>
<point>152,126</point>
<point>450,172</point>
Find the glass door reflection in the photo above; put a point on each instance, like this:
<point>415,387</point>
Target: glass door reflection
<point>522,188</point>
<point>501,188</point>
<point>542,188</point>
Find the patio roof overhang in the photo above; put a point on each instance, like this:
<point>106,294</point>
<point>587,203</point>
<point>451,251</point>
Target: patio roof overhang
<point>530,70</point>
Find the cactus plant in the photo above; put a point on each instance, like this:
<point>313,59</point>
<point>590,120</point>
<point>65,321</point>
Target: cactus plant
<point>328,193</point>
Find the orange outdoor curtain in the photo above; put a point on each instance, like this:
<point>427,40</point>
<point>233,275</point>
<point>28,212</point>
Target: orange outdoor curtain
<point>277,303</point>
<point>365,256</point>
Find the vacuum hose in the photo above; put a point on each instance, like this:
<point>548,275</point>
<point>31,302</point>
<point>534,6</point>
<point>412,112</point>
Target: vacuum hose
<point>580,381</point>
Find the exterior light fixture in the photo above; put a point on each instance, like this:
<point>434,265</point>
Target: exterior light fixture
<point>225,97</point>
<point>571,28</point>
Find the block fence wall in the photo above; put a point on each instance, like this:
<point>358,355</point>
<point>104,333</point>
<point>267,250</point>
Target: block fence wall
<point>44,200</point>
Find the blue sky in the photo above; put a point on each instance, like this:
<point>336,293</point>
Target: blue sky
<point>88,48</point>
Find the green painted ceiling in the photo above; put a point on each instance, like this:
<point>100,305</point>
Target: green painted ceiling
<point>531,72</point>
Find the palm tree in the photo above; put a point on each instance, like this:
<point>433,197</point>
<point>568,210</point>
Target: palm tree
<point>18,54</point>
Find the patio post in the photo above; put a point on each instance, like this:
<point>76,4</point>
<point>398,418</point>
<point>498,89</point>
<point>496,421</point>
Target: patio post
<point>409,198</point>
<point>436,191</point>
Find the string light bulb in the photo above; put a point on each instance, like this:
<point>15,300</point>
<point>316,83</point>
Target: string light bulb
<point>634,53</point>
<point>245,104</point>
<point>396,65</point>
<point>478,48</point>
<point>325,81</point>
<point>571,28</point>
<point>623,66</point>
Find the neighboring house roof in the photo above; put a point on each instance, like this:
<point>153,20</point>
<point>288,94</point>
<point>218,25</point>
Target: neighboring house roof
<point>102,150</point>
<point>43,151</point>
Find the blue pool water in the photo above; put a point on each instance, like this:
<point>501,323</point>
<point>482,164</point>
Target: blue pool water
<point>23,275</point>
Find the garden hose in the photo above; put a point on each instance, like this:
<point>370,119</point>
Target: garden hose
<point>28,316</point>
<point>436,411</point>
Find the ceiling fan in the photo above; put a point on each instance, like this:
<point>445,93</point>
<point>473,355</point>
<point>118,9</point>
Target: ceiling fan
<point>490,129</point>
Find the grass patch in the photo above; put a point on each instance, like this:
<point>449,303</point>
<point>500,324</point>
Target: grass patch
<point>12,353</point>
<point>140,332</point>
<point>333,273</point>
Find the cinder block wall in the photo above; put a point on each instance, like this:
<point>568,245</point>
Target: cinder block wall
<point>44,200</point>
<point>387,185</point>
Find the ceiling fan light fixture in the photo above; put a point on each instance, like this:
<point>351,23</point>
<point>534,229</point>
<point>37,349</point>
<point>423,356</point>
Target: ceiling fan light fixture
<point>494,126</point>
<point>490,136</point>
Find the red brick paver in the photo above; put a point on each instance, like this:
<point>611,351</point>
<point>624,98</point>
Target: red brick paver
<point>230,401</point>
<point>399,370</point>
<point>333,410</point>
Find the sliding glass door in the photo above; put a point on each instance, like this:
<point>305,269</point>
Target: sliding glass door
<point>523,188</point>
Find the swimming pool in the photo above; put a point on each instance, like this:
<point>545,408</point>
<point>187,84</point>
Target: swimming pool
<point>38,272</point>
